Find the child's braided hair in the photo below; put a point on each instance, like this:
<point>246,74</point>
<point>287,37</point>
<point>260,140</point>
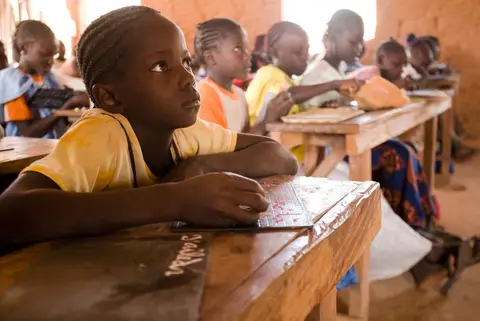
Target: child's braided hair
<point>102,44</point>
<point>210,33</point>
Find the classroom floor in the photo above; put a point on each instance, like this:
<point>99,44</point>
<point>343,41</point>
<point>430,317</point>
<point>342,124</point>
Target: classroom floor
<point>397,300</point>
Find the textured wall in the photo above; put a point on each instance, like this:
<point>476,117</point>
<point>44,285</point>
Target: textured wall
<point>255,16</point>
<point>455,22</point>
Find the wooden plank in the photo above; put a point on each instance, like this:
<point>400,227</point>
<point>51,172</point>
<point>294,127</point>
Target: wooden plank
<point>333,158</point>
<point>359,296</point>
<point>430,144</point>
<point>328,307</point>
<point>254,276</point>
<point>374,135</point>
<point>24,151</point>
<point>447,131</point>
<point>364,123</point>
<point>292,282</point>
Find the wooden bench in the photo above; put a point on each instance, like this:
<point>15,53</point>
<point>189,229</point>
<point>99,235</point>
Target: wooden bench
<point>276,275</point>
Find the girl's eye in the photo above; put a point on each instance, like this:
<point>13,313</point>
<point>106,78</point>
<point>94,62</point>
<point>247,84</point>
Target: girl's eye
<point>160,67</point>
<point>240,50</point>
<point>187,63</point>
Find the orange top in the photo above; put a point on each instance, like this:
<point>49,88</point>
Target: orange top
<point>17,109</point>
<point>220,106</point>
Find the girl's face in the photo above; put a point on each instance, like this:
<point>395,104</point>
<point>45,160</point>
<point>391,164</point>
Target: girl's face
<point>232,57</point>
<point>347,44</point>
<point>37,57</point>
<point>421,56</point>
<point>154,85</point>
<point>391,65</point>
<point>290,53</point>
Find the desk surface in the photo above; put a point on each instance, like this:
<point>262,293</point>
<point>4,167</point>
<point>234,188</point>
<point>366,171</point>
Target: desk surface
<point>25,151</point>
<point>410,115</point>
<point>254,276</point>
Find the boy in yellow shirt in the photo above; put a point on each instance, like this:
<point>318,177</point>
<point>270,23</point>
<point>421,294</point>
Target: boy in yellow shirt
<point>143,131</point>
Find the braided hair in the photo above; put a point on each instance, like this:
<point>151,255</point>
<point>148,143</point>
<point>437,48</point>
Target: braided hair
<point>209,34</point>
<point>29,31</point>
<point>102,44</point>
<point>277,31</point>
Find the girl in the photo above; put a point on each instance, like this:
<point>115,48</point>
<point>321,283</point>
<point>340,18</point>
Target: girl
<point>106,172</point>
<point>34,45</point>
<point>221,46</point>
<point>395,164</point>
<point>391,60</point>
<point>273,94</point>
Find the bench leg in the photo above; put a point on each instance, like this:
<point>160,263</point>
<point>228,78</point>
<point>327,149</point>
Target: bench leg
<point>430,150</point>
<point>359,296</point>
<point>328,307</point>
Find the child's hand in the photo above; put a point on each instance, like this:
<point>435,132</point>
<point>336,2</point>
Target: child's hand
<point>80,99</point>
<point>349,87</point>
<point>221,200</point>
<point>279,106</point>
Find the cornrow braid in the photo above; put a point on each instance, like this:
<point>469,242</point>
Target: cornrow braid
<point>101,45</point>
<point>276,32</point>
<point>209,34</point>
<point>29,31</point>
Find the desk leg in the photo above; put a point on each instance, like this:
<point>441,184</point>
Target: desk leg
<point>328,307</point>
<point>430,150</point>
<point>447,131</point>
<point>359,296</point>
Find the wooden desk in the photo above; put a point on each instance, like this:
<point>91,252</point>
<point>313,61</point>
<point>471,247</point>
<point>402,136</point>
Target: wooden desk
<point>268,275</point>
<point>25,151</point>
<point>356,137</point>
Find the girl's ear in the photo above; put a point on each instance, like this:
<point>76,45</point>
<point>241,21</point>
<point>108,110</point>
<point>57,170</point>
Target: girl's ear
<point>209,58</point>
<point>104,98</point>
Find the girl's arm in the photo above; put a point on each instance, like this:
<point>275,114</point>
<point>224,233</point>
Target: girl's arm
<point>34,209</point>
<point>254,157</point>
<point>40,127</point>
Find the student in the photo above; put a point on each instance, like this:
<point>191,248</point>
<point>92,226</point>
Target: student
<point>221,46</point>
<point>3,57</point>
<point>273,94</point>
<point>395,164</point>
<point>139,136</point>
<point>34,45</point>
<point>391,60</point>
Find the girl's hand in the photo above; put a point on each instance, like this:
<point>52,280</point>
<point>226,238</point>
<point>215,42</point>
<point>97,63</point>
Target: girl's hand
<point>221,200</point>
<point>279,106</point>
<point>349,87</point>
<point>80,99</point>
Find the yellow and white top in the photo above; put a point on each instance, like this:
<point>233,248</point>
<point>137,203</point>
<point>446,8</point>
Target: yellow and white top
<point>93,155</point>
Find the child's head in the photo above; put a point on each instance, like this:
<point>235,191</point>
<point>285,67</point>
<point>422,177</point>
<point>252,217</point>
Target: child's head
<point>221,46</point>
<point>421,52</point>
<point>147,78</point>
<point>34,46</point>
<point>344,36</point>
<point>287,47</point>
<point>391,59</point>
